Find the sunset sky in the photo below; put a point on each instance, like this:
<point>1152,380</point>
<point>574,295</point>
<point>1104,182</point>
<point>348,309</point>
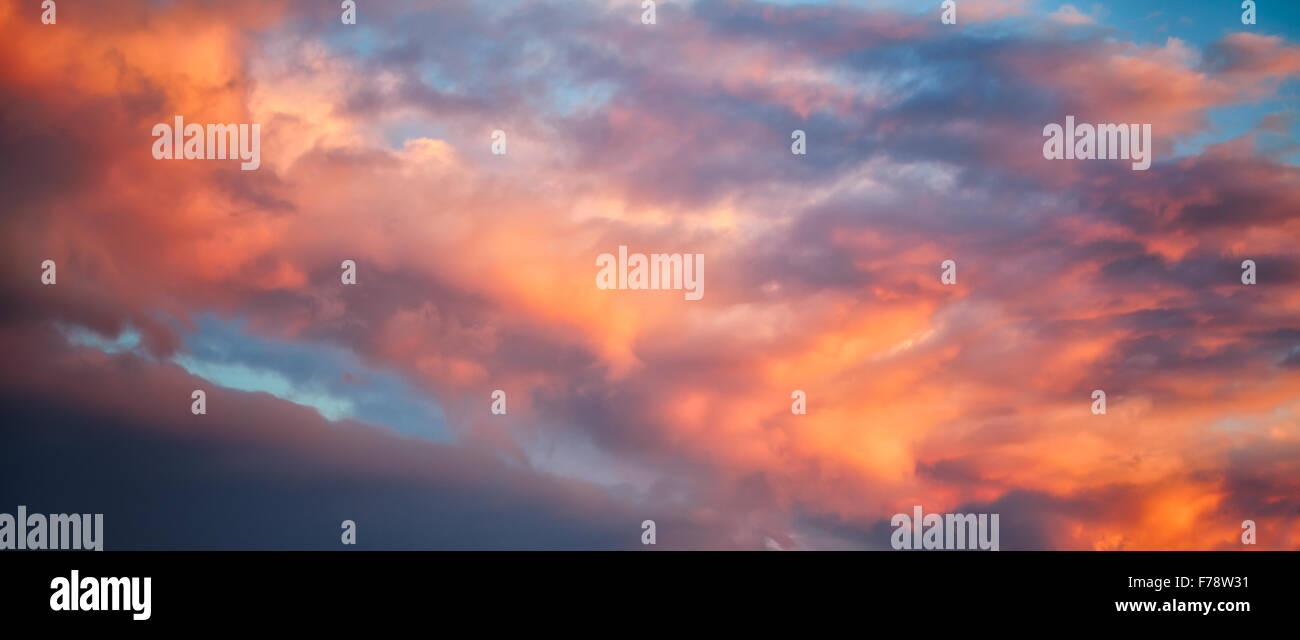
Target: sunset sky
<point>476,272</point>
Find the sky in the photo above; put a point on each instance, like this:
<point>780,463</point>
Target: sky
<point>476,272</point>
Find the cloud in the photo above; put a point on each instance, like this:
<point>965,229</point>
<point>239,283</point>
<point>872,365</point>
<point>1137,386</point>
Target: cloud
<point>1069,15</point>
<point>259,472</point>
<point>475,273</point>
